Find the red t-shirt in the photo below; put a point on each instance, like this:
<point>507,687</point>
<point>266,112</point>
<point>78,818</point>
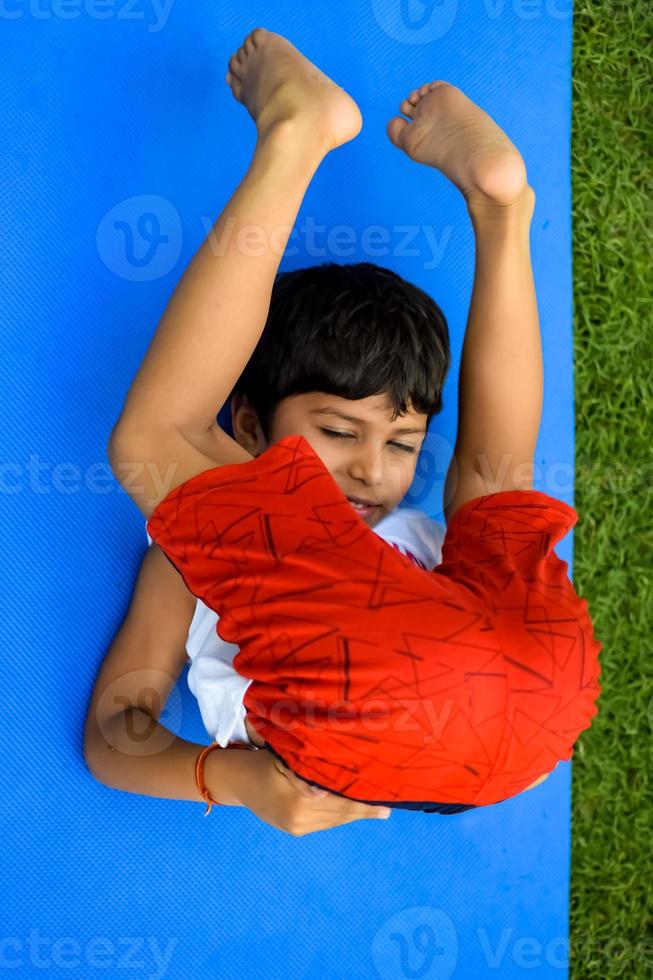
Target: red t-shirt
<point>372,677</point>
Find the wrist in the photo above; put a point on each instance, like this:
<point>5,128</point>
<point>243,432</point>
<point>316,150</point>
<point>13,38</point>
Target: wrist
<point>219,776</point>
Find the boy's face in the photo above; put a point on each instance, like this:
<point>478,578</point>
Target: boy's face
<point>374,460</point>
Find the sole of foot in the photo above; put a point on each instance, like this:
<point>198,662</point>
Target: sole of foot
<point>277,84</point>
<point>448,131</point>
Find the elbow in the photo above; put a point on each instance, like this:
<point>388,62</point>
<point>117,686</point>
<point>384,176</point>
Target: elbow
<point>113,451</point>
<point>91,764</point>
<point>124,446</point>
<point>116,444</point>
<point>123,434</point>
<point>90,751</point>
<point>93,745</point>
<point>100,753</point>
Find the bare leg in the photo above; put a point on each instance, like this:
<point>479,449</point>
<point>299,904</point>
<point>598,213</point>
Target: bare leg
<point>501,374</point>
<point>216,315</point>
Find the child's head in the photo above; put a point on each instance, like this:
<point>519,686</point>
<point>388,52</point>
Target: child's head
<point>356,339</point>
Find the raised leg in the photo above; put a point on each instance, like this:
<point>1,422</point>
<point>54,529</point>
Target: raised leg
<point>216,315</point>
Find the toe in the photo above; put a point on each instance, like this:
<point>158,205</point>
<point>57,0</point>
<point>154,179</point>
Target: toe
<point>236,87</point>
<point>395,128</point>
<point>234,66</point>
<point>249,45</point>
<point>407,108</point>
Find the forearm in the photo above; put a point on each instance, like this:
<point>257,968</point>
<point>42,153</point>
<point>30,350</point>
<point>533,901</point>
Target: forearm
<point>216,314</point>
<point>137,754</point>
<point>501,372</point>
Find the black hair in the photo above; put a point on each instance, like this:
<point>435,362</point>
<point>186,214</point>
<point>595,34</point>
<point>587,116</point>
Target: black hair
<point>352,330</point>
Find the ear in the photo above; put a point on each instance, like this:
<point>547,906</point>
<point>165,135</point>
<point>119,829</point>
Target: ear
<point>245,425</point>
<point>234,406</point>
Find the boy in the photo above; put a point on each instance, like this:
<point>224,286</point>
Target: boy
<point>303,588</point>
<point>339,322</point>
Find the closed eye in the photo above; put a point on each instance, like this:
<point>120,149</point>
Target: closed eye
<point>346,435</point>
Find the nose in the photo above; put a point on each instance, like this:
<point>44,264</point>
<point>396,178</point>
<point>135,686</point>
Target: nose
<point>367,466</point>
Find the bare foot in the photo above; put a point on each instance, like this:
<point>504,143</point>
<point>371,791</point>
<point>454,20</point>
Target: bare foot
<point>276,82</point>
<point>448,131</point>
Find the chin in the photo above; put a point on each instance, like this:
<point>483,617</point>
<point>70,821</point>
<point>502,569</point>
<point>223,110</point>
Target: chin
<point>375,518</point>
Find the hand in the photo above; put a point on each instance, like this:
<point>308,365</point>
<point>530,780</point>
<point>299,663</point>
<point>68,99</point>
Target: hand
<point>260,782</point>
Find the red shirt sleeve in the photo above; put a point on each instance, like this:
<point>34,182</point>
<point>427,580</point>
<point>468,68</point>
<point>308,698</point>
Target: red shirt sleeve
<point>501,546</point>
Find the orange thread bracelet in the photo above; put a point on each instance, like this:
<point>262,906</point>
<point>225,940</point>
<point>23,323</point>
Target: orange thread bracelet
<point>199,770</point>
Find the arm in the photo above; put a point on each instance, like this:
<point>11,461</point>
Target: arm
<point>124,745</point>
<point>501,374</point>
<point>210,328</point>
<point>127,748</point>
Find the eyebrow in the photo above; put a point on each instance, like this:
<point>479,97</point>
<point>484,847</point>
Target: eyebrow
<point>351,418</point>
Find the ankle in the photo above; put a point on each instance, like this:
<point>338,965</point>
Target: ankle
<point>515,214</point>
<point>294,137</point>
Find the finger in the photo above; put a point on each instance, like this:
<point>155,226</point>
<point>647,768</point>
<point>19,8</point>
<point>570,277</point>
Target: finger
<point>364,811</point>
<point>357,811</point>
<point>349,818</point>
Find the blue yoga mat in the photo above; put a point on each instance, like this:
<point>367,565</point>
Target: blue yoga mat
<point>121,143</point>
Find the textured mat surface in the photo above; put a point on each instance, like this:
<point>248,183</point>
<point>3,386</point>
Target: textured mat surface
<point>120,144</point>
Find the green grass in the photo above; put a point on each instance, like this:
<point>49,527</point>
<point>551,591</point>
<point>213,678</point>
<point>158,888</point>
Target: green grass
<point>611,931</point>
